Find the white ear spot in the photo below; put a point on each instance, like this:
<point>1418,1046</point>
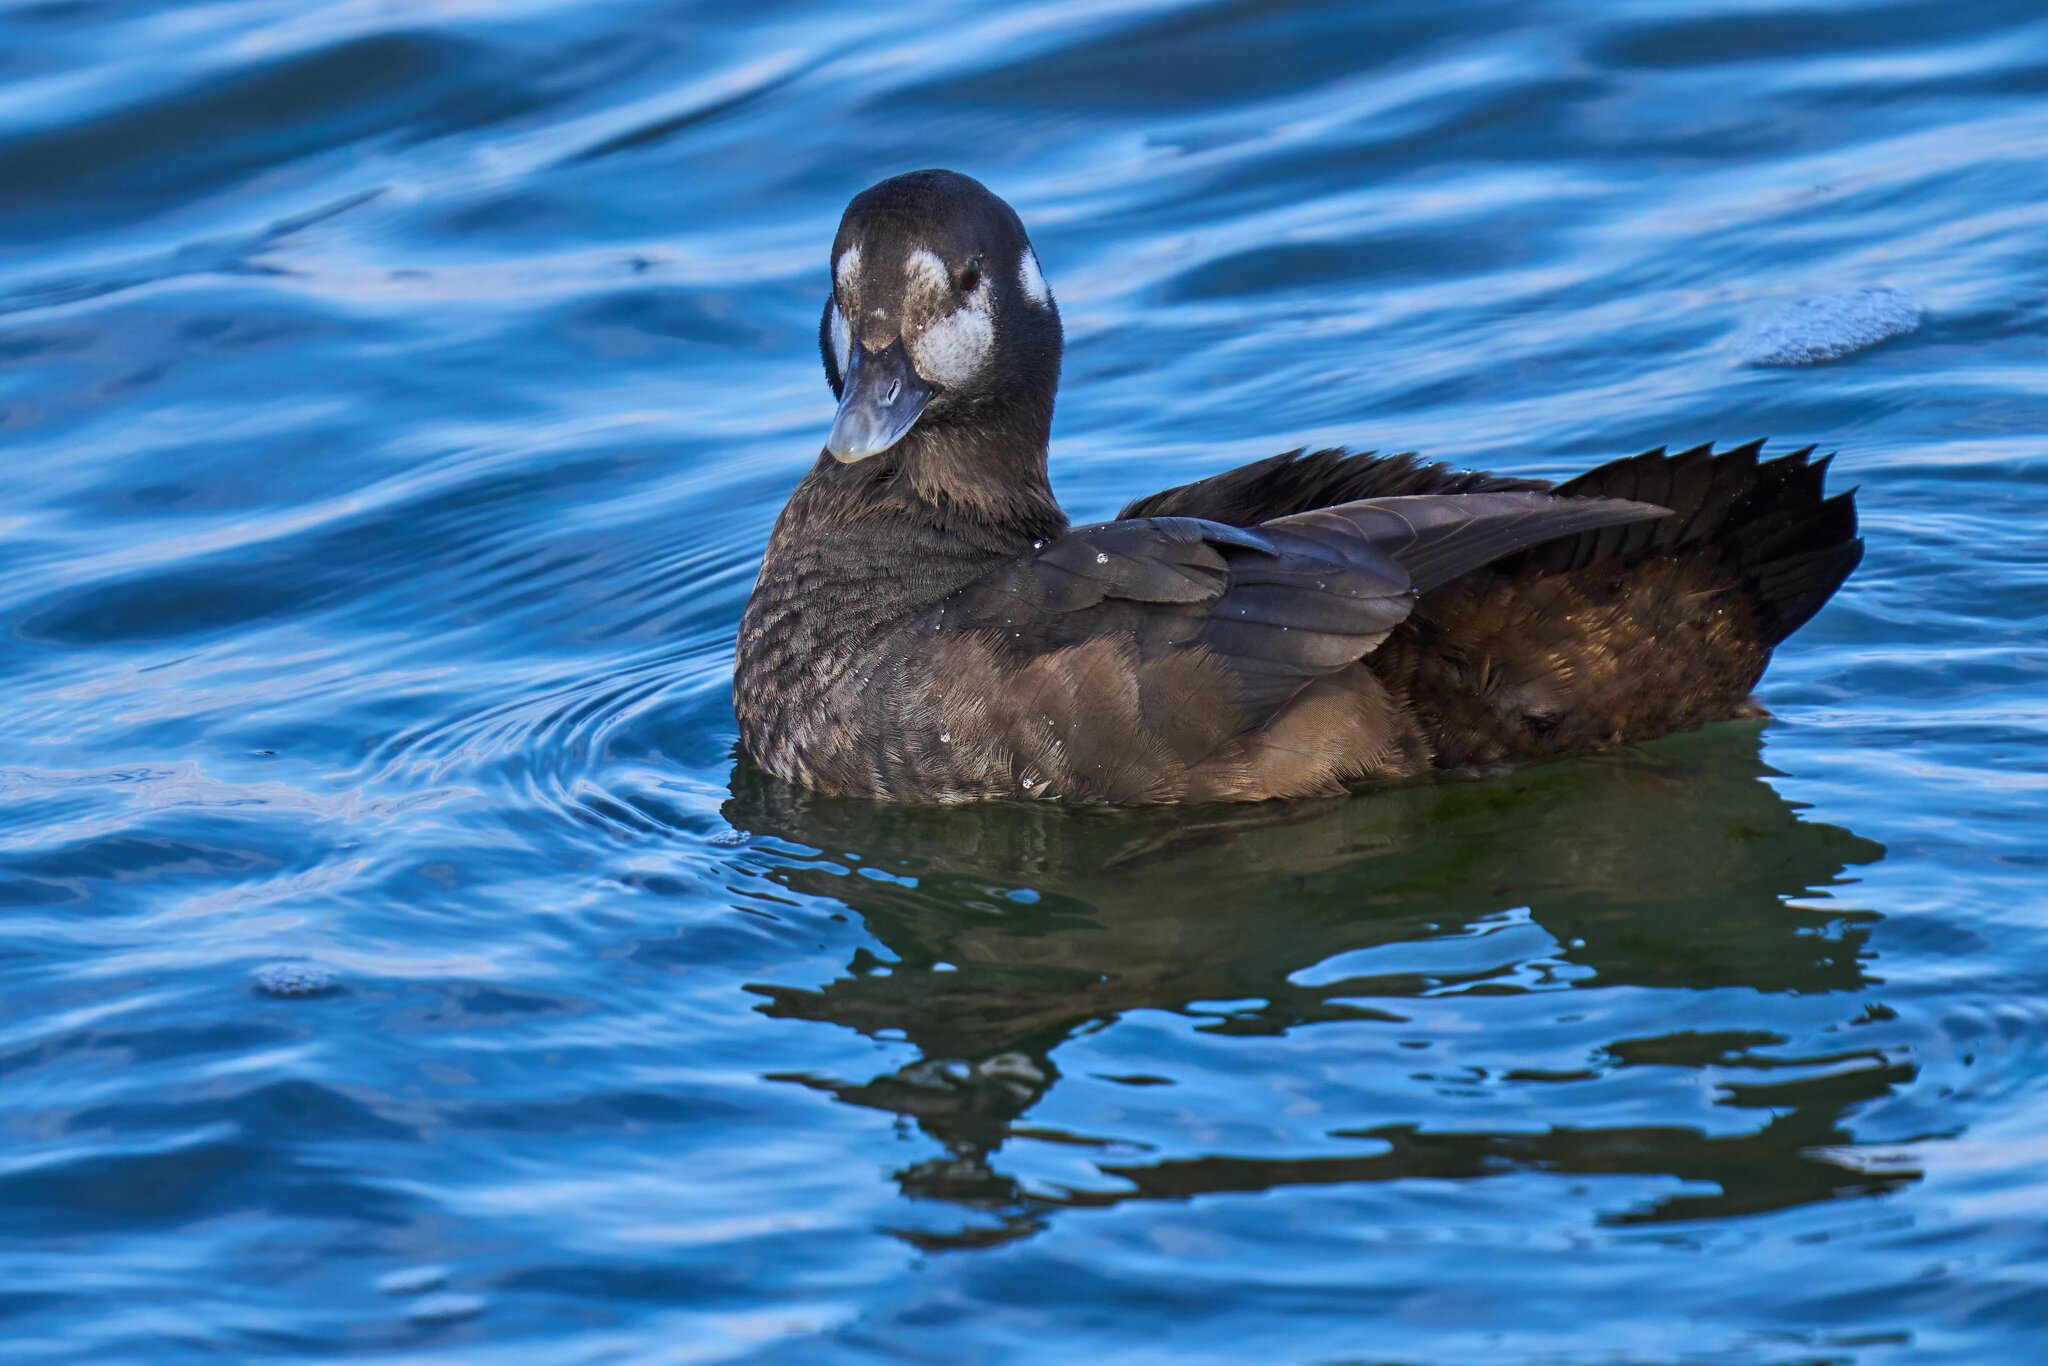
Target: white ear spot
<point>842,340</point>
<point>1032,280</point>
<point>925,268</point>
<point>953,349</point>
<point>846,270</point>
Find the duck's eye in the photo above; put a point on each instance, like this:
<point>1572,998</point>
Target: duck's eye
<point>971,276</point>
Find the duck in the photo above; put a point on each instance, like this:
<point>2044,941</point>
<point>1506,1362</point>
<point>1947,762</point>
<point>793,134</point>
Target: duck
<point>928,627</point>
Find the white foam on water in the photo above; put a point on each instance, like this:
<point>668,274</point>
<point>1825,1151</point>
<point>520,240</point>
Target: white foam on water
<point>1825,327</point>
<point>294,979</point>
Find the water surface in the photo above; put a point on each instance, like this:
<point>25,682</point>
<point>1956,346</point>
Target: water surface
<point>395,399</point>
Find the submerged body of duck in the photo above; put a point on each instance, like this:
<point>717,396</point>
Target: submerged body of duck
<point>927,627</point>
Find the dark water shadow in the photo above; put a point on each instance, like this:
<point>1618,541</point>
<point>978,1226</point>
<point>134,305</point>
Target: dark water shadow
<point>1675,866</point>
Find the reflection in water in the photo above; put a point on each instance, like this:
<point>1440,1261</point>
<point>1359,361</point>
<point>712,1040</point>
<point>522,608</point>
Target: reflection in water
<point>1671,866</point>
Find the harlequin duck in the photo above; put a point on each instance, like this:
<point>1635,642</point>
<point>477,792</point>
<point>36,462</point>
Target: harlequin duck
<point>928,628</point>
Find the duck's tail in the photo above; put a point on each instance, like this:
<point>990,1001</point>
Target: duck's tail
<point>1766,524</point>
<point>1628,632</point>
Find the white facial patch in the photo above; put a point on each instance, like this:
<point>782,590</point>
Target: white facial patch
<point>842,340</point>
<point>924,268</point>
<point>951,350</point>
<point>1032,280</point>
<point>846,270</point>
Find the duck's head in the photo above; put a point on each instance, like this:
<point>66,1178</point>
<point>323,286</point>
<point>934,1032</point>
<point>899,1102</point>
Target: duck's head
<point>939,319</point>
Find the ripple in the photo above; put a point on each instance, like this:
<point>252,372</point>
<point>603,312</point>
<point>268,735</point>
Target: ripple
<point>229,256</point>
<point>188,141</point>
<point>412,1280</point>
<point>445,1308</point>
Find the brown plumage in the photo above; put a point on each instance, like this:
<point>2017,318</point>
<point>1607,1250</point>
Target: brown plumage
<point>926,627</point>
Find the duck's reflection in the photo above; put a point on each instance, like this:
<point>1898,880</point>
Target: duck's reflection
<point>1675,866</point>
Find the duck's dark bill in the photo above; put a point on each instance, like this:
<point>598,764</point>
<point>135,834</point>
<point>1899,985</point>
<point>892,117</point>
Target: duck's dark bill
<point>882,400</point>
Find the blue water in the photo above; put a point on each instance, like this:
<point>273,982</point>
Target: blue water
<point>394,401</point>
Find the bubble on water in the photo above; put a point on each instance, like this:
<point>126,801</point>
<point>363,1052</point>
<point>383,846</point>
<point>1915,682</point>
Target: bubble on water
<point>945,737</point>
<point>1825,327</point>
<point>294,979</point>
<point>728,839</point>
<point>1101,558</point>
<point>449,1308</point>
<point>413,1280</point>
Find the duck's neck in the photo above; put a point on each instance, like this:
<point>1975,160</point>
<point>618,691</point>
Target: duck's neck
<point>989,468</point>
<point>927,517</point>
<point>862,548</point>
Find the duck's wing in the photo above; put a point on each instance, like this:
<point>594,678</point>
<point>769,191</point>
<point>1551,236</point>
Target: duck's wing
<point>1277,604</point>
<point>1301,480</point>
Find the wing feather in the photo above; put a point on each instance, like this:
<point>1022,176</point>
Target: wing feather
<point>1276,605</point>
